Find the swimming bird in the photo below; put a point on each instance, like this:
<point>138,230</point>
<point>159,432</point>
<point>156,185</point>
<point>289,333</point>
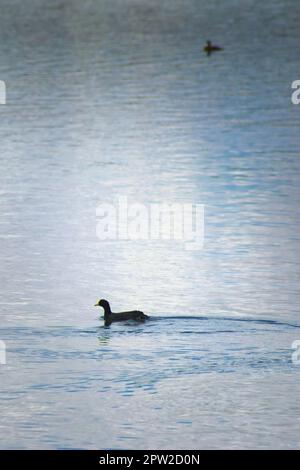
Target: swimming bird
<point>209,48</point>
<point>110,316</point>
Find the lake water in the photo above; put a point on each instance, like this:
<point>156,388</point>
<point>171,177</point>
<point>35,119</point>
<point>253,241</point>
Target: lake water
<point>116,98</point>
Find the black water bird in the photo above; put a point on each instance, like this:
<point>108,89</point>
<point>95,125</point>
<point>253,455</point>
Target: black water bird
<point>209,48</point>
<point>110,317</point>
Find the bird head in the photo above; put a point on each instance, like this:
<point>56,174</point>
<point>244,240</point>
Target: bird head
<point>102,303</point>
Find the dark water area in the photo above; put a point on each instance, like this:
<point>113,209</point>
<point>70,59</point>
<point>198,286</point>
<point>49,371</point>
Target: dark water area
<point>143,386</point>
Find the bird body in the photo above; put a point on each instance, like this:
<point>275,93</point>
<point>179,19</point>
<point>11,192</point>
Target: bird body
<point>209,47</point>
<point>110,317</point>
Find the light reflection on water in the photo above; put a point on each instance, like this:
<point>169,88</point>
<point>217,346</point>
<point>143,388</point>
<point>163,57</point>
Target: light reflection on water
<point>116,98</point>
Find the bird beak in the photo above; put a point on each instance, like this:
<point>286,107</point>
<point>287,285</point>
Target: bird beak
<point>96,305</point>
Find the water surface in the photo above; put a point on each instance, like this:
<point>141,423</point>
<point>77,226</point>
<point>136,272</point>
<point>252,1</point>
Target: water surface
<point>115,98</point>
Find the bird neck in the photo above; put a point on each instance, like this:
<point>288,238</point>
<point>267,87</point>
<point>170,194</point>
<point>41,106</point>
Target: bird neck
<point>107,310</point>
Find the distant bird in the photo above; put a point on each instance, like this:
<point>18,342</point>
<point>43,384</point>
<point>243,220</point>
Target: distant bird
<point>110,317</point>
<point>209,48</point>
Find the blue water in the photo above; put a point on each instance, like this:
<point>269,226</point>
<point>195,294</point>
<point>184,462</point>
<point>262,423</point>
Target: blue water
<point>116,98</point>
<point>215,382</point>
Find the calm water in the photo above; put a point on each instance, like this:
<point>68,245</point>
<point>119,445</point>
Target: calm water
<point>115,98</point>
